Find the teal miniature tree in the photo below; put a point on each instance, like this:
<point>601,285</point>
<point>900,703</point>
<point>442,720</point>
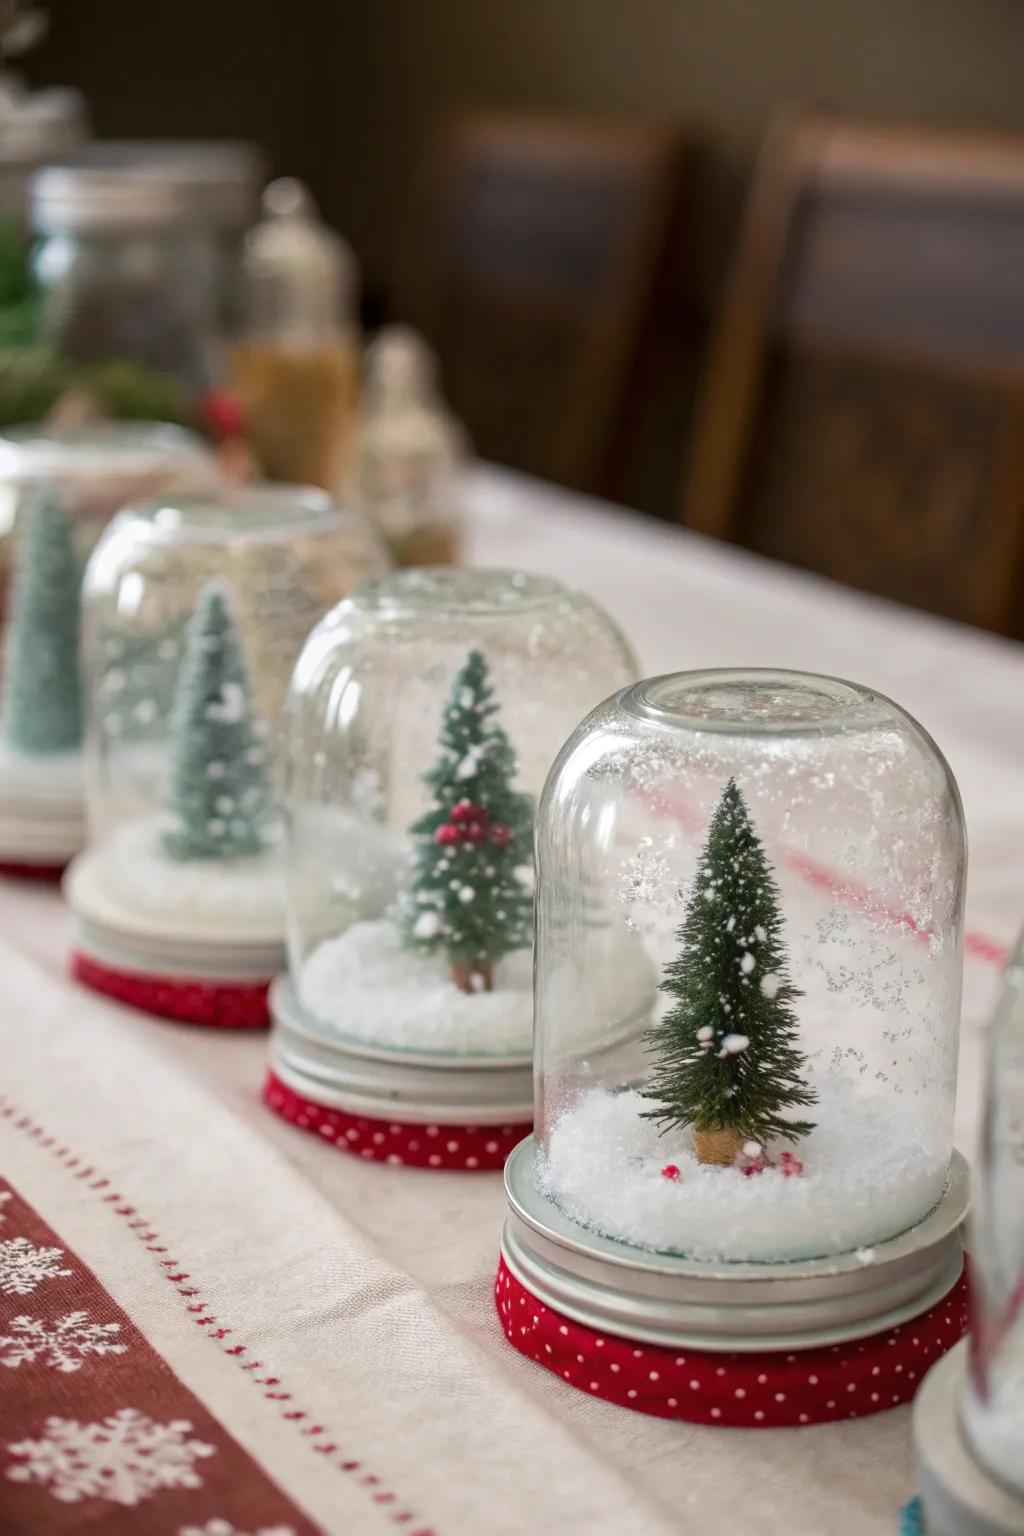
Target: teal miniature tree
<point>42,690</point>
<point>467,899</point>
<point>219,797</point>
<point>727,1060</point>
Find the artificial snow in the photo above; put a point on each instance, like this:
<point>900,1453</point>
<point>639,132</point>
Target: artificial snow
<point>237,895</point>
<point>868,1176</point>
<point>367,985</point>
<point>45,777</point>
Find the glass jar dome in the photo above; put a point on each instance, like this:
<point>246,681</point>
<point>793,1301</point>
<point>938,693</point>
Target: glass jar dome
<point>283,554</point>
<point>994,1405</point>
<point>98,469</point>
<point>425,712</point>
<point>787,852</point>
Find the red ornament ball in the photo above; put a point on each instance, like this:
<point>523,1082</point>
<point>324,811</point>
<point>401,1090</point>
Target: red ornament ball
<point>670,1171</point>
<point>221,415</point>
<point>500,834</point>
<point>465,810</point>
<point>447,834</point>
<point>474,832</point>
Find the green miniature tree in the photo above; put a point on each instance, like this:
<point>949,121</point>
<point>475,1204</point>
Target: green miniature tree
<point>219,797</point>
<point>727,1060</point>
<point>467,899</point>
<point>42,691</point>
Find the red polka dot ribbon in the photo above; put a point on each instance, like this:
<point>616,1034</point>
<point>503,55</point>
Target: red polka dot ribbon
<point>461,1148</point>
<point>49,874</point>
<point>187,1000</point>
<point>761,1391</point>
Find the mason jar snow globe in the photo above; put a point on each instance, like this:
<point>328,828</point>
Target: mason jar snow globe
<point>750,1145</point>
<point>194,611</point>
<point>424,713</point>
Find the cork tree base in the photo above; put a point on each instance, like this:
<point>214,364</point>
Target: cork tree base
<point>744,1391</point>
<point>187,1000</point>
<point>456,1148</point>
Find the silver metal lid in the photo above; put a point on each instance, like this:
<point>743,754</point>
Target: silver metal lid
<point>140,184</point>
<point>959,1496</point>
<point>662,1299</point>
<point>36,126</point>
<point>363,1079</point>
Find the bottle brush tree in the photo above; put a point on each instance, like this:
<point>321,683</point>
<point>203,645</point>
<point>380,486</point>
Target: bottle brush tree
<point>727,1060</point>
<point>467,899</point>
<point>42,692</point>
<point>219,796</point>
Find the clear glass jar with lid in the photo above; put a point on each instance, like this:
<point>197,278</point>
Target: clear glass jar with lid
<point>130,255</point>
<point>295,362</point>
<point>790,852</point>
<point>424,713</point>
<point>743,1184</point>
<point>194,612</point>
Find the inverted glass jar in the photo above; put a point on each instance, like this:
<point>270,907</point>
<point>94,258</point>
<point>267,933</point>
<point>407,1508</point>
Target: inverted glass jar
<point>284,554</point>
<point>97,470</point>
<point>366,711</point>
<point>861,827</point>
<point>994,1406</point>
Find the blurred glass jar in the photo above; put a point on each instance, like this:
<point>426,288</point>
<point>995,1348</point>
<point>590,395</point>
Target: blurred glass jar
<point>36,128</point>
<point>285,552</point>
<point>407,453</point>
<point>862,833</point>
<point>993,1410</point>
<point>97,470</point>
<point>132,250</point>
<point>295,365</point>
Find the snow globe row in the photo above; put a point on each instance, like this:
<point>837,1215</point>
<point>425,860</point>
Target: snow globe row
<point>193,612</point>
<point>424,713</point>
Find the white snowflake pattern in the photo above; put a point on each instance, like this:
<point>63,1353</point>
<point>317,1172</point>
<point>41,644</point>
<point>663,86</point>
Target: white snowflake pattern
<point>123,1458</point>
<point>23,1266</point>
<point>220,1527</point>
<point>62,1344</point>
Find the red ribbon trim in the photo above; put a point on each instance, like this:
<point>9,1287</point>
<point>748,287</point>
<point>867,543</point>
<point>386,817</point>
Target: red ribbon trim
<point>221,1005</point>
<point>461,1148</point>
<point>48,874</point>
<point>762,1391</point>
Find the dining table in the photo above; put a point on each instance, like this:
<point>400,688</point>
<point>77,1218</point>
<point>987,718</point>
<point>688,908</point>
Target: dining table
<point>213,1323</point>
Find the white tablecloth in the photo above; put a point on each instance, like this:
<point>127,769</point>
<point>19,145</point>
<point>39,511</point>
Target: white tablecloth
<point>367,1290</point>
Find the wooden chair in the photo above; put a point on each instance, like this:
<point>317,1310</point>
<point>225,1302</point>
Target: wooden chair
<point>863,413</point>
<point>538,269</point>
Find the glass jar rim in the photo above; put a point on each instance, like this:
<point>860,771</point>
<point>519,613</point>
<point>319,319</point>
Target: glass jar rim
<point>251,514</point>
<point>32,451</point>
<point>448,590</point>
<point>793,703</point>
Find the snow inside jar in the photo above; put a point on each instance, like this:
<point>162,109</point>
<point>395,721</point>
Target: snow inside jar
<point>194,611</point>
<point>425,712</point>
<point>750,1163</point>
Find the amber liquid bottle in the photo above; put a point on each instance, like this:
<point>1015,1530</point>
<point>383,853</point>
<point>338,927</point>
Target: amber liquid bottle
<point>295,367</point>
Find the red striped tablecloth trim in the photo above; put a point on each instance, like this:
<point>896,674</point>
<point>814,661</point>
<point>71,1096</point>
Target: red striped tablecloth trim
<point>764,1391</point>
<point>195,1310</point>
<point>455,1148</point>
<point>188,1000</point>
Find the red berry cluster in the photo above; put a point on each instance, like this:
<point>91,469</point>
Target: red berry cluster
<point>789,1165</point>
<point>469,823</point>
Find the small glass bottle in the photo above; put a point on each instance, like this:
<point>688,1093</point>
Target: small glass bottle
<point>407,453</point>
<point>295,368</point>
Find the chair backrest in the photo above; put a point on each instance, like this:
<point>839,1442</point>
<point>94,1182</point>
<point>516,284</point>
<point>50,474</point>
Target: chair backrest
<point>535,266</point>
<point>863,413</point>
